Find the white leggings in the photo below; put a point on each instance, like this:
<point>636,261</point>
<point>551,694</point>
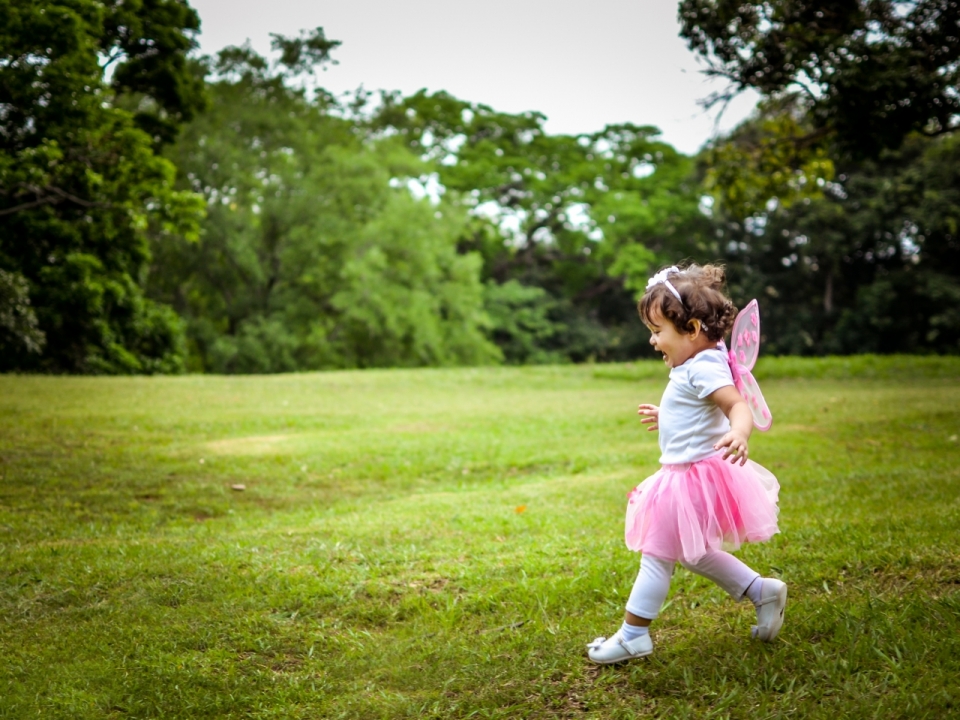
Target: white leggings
<point>653,581</point>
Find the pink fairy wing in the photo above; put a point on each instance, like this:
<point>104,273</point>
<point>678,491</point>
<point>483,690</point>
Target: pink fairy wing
<point>750,391</point>
<point>742,355</point>
<point>745,337</point>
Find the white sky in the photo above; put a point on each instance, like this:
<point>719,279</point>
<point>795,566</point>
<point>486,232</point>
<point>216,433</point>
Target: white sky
<point>582,64</point>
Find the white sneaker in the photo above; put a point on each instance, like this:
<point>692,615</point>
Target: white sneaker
<point>605,651</point>
<point>773,599</point>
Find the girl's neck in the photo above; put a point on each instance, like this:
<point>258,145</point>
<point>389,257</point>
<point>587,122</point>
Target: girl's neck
<point>700,344</point>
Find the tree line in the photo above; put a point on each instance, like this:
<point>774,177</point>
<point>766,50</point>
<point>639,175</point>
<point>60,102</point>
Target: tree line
<point>162,212</point>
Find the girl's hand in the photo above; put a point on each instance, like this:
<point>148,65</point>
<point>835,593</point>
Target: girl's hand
<point>732,405</point>
<point>652,413</point>
<point>736,447</point>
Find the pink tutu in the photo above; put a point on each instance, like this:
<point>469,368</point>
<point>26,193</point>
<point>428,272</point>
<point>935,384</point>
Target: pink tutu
<point>684,511</point>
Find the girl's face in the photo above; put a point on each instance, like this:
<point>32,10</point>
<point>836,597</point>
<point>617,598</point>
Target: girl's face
<point>677,347</point>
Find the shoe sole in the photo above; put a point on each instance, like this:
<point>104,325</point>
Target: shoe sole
<point>774,628</point>
<point>619,660</point>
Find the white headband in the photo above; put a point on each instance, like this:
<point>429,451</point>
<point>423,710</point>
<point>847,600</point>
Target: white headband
<point>661,277</point>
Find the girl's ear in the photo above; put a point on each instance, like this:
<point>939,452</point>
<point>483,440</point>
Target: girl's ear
<point>695,327</point>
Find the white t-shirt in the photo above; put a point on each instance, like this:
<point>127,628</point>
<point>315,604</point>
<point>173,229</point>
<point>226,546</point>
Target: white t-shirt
<point>690,424</point>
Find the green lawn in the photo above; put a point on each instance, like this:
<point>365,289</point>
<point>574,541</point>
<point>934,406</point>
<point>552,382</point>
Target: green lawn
<point>443,543</point>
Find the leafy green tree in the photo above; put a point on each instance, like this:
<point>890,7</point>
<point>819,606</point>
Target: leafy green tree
<point>871,265</point>
<point>407,297</point>
<point>146,44</point>
<point>82,192</point>
<point>582,218</point>
<point>521,323</point>
<point>869,71</point>
<point>314,254</point>
<point>768,158</point>
<point>837,200</point>
<point>19,330</point>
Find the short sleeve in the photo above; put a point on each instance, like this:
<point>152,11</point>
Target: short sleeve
<point>709,372</point>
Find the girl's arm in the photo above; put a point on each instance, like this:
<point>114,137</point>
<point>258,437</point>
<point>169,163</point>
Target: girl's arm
<point>729,400</point>
<point>652,413</point>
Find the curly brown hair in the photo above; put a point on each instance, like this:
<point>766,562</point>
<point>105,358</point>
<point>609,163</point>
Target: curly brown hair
<point>701,288</point>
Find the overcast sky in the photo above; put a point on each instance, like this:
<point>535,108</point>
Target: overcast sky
<point>582,64</point>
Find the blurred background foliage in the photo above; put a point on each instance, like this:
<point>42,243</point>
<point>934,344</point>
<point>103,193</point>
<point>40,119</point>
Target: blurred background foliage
<point>161,211</point>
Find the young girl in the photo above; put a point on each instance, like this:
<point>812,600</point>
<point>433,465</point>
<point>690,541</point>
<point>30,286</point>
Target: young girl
<point>707,496</point>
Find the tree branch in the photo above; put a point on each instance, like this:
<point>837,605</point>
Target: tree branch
<point>27,206</point>
<point>117,54</point>
<point>51,195</point>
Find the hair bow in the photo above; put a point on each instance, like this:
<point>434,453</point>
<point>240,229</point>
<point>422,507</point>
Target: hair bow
<point>661,278</point>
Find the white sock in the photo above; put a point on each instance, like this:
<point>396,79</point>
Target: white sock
<point>753,593</point>
<point>631,632</point>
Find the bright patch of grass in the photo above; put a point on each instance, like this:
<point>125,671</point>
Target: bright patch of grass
<point>442,544</point>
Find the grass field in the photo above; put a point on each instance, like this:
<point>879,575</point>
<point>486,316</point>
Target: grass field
<point>443,543</point>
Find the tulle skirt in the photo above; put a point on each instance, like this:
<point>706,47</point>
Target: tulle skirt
<point>681,512</point>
